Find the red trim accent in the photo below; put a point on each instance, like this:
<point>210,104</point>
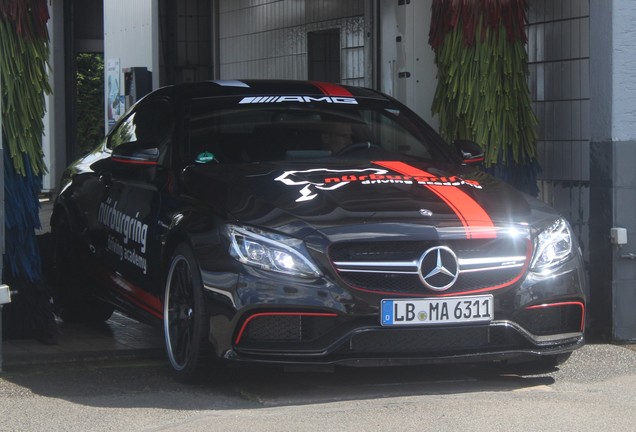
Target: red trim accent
<point>309,314</point>
<point>477,223</point>
<point>571,303</point>
<point>331,89</point>
<point>475,160</point>
<point>133,162</point>
<point>132,293</point>
<point>136,295</point>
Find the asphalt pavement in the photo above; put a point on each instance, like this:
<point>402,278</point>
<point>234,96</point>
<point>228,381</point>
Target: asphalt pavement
<point>595,390</point>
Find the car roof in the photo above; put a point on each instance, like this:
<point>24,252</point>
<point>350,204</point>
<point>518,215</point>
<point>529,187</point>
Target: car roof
<point>219,88</point>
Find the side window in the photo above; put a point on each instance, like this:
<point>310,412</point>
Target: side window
<point>151,122</point>
<point>228,134</point>
<point>123,133</point>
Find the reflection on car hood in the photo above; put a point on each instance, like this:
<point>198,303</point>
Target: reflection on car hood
<point>330,193</point>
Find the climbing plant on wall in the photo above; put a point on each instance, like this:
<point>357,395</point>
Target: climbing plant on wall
<point>482,91</point>
<point>24,52</point>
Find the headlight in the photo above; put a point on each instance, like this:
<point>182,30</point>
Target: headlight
<point>553,246</point>
<point>270,251</point>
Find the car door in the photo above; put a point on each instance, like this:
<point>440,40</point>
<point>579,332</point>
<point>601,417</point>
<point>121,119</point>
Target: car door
<point>128,213</point>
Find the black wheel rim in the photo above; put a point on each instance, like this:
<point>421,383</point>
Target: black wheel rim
<point>179,313</point>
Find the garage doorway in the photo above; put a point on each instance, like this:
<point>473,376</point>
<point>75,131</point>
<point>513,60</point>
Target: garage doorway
<point>324,55</point>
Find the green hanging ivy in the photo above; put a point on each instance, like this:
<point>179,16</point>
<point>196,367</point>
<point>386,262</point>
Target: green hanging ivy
<point>24,53</point>
<point>482,92</point>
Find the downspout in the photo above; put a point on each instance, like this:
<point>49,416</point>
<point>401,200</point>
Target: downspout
<point>5,296</point>
<point>215,32</point>
<point>371,44</point>
<point>1,213</point>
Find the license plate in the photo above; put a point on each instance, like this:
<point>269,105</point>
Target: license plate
<point>447,310</point>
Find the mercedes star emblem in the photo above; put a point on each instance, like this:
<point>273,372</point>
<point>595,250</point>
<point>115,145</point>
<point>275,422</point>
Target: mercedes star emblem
<point>438,268</point>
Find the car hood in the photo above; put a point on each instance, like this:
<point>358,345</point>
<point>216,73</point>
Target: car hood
<point>325,194</point>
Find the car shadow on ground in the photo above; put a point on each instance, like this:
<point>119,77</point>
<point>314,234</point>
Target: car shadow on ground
<point>148,383</point>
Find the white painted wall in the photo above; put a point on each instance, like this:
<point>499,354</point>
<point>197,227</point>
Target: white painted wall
<point>624,70</point>
<point>54,139</point>
<point>131,34</point>
<point>413,54</point>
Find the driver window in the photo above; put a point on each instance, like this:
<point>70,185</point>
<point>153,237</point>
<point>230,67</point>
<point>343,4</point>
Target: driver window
<point>124,132</point>
<point>395,137</point>
<point>151,122</point>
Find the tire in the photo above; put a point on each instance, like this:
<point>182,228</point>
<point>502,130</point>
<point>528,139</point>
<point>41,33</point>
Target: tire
<point>71,300</point>
<point>185,318</point>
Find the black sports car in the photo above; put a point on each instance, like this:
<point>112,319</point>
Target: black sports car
<point>305,222</point>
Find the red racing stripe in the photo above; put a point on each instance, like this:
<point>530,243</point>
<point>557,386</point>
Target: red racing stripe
<point>477,223</point>
<point>330,89</point>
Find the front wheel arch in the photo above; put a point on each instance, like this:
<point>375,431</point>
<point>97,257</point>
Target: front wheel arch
<point>186,323</point>
<point>72,298</point>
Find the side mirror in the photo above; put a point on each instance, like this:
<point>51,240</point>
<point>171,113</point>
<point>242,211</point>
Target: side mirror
<point>136,153</point>
<point>470,152</point>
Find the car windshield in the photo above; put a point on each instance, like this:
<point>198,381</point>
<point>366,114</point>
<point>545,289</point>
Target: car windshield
<point>259,132</point>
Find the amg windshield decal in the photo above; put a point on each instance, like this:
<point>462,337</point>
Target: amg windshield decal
<point>301,99</point>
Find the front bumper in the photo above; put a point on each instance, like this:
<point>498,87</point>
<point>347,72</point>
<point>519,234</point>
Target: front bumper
<point>322,338</point>
<point>270,322</point>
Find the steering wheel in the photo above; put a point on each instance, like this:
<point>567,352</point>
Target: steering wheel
<point>362,145</point>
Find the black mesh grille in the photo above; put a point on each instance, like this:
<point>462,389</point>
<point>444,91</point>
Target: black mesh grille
<point>378,251</point>
<point>287,329</point>
<point>434,340</point>
<point>399,283</point>
<point>281,328</point>
<point>552,320</point>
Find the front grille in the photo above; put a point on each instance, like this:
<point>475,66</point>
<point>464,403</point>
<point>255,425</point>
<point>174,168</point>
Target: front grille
<point>394,267</point>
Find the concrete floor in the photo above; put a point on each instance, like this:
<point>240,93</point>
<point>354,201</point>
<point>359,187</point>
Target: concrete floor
<point>120,336</point>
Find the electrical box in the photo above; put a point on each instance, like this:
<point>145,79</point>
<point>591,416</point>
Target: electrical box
<point>618,236</point>
<point>137,84</point>
<point>5,294</point>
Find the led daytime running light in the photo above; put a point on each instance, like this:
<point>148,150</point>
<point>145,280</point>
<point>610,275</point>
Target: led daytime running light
<point>553,246</point>
<point>270,252</point>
